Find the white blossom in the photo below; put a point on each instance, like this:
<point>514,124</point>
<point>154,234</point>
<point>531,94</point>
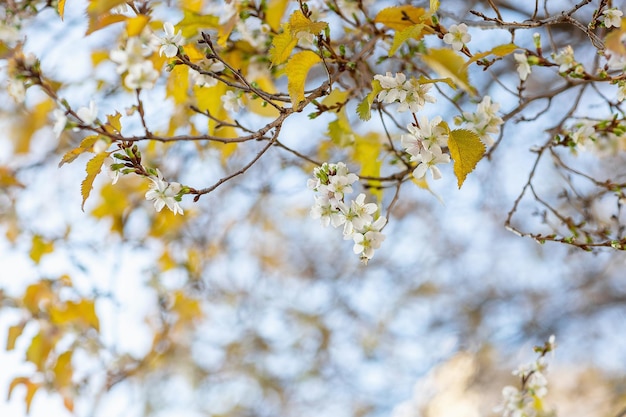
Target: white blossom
<point>565,59</point>
<point>164,194</point>
<point>612,18</point>
<point>584,134</point>
<point>17,90</point>
<point>485,121</point>
<point>326,211</point>
<point>170,41</point>
<point>430,132</point>
<point>60,121</point>
<point>523,67</point>
<point>368,239</point>
<point>232,102</point>
<point>203,80</point>
<point>411,94</point>
<point>88,115</point>
<point>428,161</point>
<point>113,174</point>
<point>457,36</point>
<point>134,53</point>
<point>141,76</point>
<point>358,215</point>
<point>101,145</point>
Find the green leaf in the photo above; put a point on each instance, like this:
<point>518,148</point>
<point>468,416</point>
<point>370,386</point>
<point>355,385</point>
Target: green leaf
<point>93,169</point>
<point>412,32</point>
<point>448,64</point>
<point>466,149</point>
<point>297,69</point>
<point>364,109</point>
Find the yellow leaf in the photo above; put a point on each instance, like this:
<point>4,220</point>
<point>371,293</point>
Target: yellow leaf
<point>93,169</point>
<point>113,124</point>
<point>86,145</point>
<point>99,56</point>
<point>7,179</point>
<point>466,149</point>
<point>298,22</point>
<point>31,389</point>
<point>194,22</point>
<point>178,83</point>
<point>36,296</point>
<point>135,25</point>
<point>282,45</point>
<point>26,124</point>
<point>448,64</point>
<point>297,69</point>
<point>400,17</point>
<point>412,32</point>
<point>226,29</point>
<point>364,109</point>
<point>100,21</point>
<point>193,5</point>
<point>39,248</point>
<point>98,7</point>
<point>274,14</point>
<point>61,8</point>
<point>81,314</point>
<point>39,349</point>
<point>366,152</point>
<point>613,39</point>
<point>258,105</point>
<point>63,370</point>
<point>434,5</point>
<point>500,50</point>
<point>14,333</point>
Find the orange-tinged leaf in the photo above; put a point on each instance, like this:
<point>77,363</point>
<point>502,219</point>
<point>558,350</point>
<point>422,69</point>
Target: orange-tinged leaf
<point>31,389</point>
<point>98,7</point>
<point>39,248</point>
<point>93,169</point>
<point>400,17</point>
<point>448,64</point>
<point>14,333</point>
<point>500,50</point>
<point>274,14</point>
<point>466,149</point>
<point>135,25</point>
<point>282,45</point>
<point>61,8</point>
<point>297,69</point>
<point>98,21</point>
<point>7,179</point>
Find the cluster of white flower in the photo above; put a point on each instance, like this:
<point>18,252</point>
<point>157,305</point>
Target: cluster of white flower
<point>457,36</point>
<point>165,193</point>
<point>332,182</point>
<point>133,58</point>
<point>484,122</point>
<point>605,137</point>
<point>202,80</point>
<point>527,400</point>
<point>424,144</point>
<point>411,94</point>
<point>566,61</point>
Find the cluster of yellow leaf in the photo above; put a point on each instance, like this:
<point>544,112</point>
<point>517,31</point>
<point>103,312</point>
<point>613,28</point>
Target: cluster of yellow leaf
<point>65,317</point>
